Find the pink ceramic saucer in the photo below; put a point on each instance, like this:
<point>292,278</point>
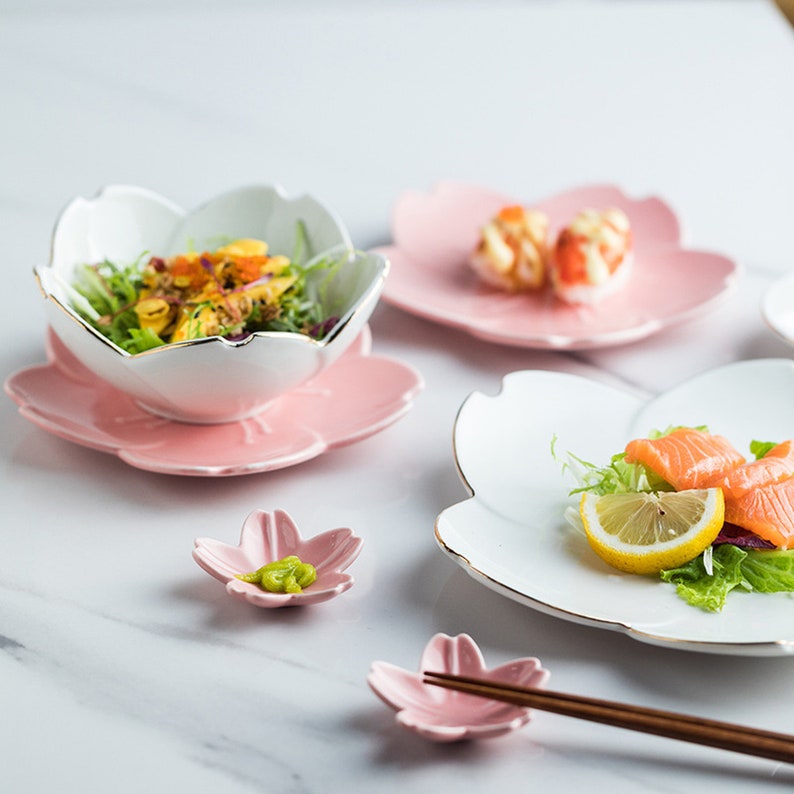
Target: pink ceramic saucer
<point>354,398</point>
<point>447,716</point>
<point>433,234</point>
<point>267,537</point>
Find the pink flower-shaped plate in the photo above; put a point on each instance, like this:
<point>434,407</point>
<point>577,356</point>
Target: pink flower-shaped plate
<point>355,397</point>
<point>434,233</point>
<point>268,537</point>
<point>447,716</point>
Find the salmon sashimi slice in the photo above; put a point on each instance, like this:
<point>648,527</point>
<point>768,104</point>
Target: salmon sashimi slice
<point>767,511</point>
<point>777,465</point>
<point>686,458</point>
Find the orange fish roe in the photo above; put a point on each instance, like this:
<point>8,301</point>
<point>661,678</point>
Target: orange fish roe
<point>592,256</point>
<point>187,274</point>
<point>512,214</point>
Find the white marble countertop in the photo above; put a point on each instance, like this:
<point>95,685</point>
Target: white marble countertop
<point>123,666</point>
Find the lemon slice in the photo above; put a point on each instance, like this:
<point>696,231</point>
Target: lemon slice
<point>645,533</point>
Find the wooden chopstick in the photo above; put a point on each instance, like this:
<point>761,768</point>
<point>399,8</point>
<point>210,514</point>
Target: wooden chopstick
<point>713,733</point>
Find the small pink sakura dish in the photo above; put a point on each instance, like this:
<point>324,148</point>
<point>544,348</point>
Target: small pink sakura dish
<point>273,566</point>
<point>443,715</point>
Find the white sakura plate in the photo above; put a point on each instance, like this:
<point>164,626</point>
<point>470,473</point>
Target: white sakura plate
<point>511,535</point>
<point>269,537</point>
<point>777,308</point>
<point>434,233</point>
<point>447,716</point>
<point>357,396</point>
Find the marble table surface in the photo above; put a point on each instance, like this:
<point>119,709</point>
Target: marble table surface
<point>123,666</point>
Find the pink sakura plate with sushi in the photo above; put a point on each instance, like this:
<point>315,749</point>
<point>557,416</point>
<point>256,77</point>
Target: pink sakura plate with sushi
<point>511,534</point>
<point>434,233</point>
<point>356,397</point>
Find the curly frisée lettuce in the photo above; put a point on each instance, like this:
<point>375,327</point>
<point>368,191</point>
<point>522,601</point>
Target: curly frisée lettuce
<point>617,476</point>
<point>705,581</point>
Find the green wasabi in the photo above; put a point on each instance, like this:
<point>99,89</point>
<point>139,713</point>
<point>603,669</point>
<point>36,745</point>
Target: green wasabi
<point>288,575</point>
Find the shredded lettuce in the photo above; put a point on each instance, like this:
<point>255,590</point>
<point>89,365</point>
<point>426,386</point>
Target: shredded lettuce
<point>617,476</point>
<point>301,306</point>
<point>762,571</point>
<point>707,590</point>
<point>301,250</point>
<point>705,581</point>
<point>759,448</point>
<point>141,339</point>
<point>112,290</point>
<point>770,571</point>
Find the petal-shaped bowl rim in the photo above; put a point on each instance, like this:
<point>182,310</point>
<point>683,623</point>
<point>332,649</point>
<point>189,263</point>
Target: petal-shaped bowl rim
<point>269,536</point>
<point>445,716</point>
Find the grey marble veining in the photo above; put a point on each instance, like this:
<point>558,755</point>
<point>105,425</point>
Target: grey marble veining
<point>123,666</point>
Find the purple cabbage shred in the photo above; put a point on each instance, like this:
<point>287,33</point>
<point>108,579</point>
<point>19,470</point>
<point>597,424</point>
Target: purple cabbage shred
<point>737,536</point>
<point>324,328</point>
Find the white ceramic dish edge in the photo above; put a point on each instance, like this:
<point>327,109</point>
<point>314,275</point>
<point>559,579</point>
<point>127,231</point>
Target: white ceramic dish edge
<point>164,380</point>
<point>490,557</point>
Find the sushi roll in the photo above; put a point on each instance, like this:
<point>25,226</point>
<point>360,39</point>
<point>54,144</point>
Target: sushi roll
<point>512,252</point>
<point>592,256</point>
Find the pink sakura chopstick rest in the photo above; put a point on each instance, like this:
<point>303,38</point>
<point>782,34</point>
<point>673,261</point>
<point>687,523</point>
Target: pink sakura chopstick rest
<point>443,715</point>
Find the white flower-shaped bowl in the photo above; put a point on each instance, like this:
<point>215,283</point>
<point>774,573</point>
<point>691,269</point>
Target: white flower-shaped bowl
<point>267,537</point>
<point>208,380</point>
<point>444,715</point>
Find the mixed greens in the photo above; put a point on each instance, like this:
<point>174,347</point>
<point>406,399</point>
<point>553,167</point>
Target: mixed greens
<point>706,581</point>
<point>232,292</point>
<point>737,560</point>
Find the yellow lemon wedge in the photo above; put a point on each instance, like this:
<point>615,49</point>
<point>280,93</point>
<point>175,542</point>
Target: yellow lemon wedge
<point>645,533</point>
